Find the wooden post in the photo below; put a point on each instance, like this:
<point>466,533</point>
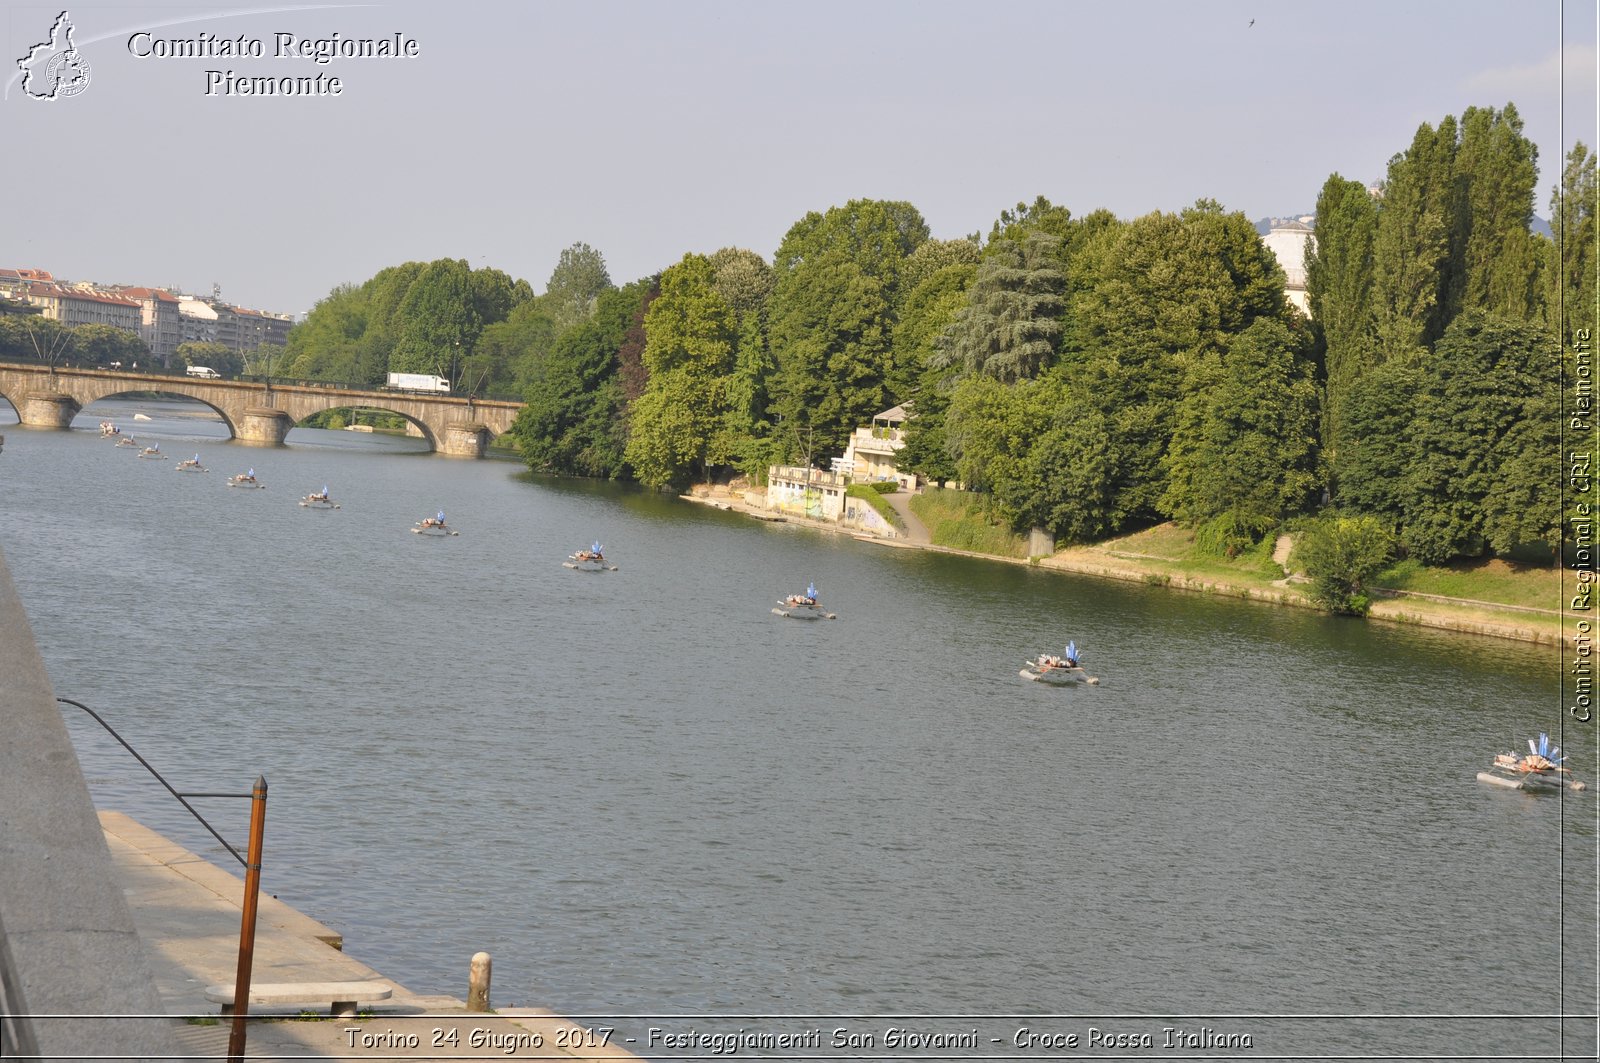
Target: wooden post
<point>478,982</point>
<point>247,922</point>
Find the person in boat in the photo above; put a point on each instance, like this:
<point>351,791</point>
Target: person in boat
<point>434,522</point>
<point>319,497</point>
<point>246,477</point>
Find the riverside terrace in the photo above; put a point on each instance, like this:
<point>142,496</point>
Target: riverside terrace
<point>256,412</point>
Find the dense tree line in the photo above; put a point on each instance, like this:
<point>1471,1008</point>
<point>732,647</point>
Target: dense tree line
<point>1092,374</point>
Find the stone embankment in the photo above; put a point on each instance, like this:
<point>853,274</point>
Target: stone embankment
<point>1466,616</point>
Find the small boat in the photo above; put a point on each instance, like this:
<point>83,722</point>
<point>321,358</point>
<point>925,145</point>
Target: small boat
<point>804,606</point>
<point>127,441</point>
<point>246,479</point>
<point>109,429</point>
<point>153,451</point>
<point>1063,670</point>
<point>590,560</point>
<point>141,417</point>
<point>434,526</point>
<point>191,465</point>
<point>321,500</point>
<point>1539,769</point>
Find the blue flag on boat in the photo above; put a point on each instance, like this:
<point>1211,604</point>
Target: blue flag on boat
<point>1072,650</point>
<point>811,590</point>
<point>441,516</point>
<point>251,473</point>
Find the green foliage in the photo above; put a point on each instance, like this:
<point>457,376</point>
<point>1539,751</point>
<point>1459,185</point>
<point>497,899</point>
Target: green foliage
<point>416,317</point>
<point>1232,532</point>
<point>885,487</point>
<point>34,336</point>
<point>963,520</point>
<point>690,335</point>
<point>1341,555</point>
<point>1045,453</point>
<point>931,257</point>
<point>830,339</point>
<point>575,285</point>
<point>743,279</point>
<point>104,344</point>
<point>573,421</point>
<point>1149,299</point>
<point>1244,451</point>
<point>1574,209</point>
<point>1011,323</point>
<point>1411,250</point>
<point>1339,288</point>
<point>218,356</point>
<point>439,321</point>
<point>1460,451</point>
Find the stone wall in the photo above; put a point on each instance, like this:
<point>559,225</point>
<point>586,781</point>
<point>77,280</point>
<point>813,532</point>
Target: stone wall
<point>67,943</point>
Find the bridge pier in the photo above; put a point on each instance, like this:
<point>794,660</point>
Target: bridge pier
<point>48,409</point>
<point>464,439</point>
<point>263,426</point>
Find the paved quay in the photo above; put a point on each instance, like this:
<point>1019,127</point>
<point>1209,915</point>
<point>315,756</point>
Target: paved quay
<point>187,912</point>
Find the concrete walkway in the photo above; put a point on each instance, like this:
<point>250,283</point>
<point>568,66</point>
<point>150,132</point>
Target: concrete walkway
<point>916,531</point>
<point>187,913</point>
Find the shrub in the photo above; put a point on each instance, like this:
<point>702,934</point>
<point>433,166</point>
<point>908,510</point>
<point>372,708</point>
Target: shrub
<point>1341,554</point>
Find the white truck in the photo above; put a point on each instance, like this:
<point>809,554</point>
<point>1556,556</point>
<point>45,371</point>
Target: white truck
<point>417,382</point>
<point>204,371</point>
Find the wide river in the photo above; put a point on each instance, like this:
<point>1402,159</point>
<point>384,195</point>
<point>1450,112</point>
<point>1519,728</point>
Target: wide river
<point>645,794</point>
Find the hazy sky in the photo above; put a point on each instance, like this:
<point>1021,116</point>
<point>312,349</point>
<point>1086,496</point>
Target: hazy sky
<point>648,129</point>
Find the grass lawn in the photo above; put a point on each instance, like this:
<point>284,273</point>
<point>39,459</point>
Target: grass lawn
<point>1506,582</point>
<point>963,520</point>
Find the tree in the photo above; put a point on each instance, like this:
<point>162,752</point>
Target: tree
<point>1341,554</point>
<point>575,285</point>
<point>218,356</point>
<point>829,330</point>
<point>1411,258</point>
<point>1497,169</point>
<point>1488,406</point>
<point>743,279</point>
<point>104,344</point>
<point>1339,287</point>
<point>1574,207</point>
<point>1010,325</point>
<point>1244,453</point>
<point>690,335</point>
<point>573,422</point>
<point>1150,299</point>
<point>439,321</point>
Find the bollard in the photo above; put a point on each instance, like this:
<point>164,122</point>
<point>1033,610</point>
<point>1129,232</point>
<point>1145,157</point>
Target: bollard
<point>478,982</point>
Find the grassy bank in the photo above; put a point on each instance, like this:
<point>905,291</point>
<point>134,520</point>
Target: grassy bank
<point>963,520</point>
<point>1495,597</point>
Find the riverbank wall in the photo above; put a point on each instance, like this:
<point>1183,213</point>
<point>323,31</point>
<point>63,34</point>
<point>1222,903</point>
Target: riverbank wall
<point>1461,616</point>
<point>71,961</point>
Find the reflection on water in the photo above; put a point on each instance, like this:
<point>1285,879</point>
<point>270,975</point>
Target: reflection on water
<point>641,791</point>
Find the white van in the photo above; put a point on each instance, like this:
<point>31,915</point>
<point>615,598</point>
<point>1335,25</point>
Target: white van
<point>204,371</point>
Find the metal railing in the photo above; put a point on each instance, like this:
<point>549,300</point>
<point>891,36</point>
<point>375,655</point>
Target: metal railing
<point>252,878</point>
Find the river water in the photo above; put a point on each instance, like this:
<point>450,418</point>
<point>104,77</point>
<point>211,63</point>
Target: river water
<point>645,794</point>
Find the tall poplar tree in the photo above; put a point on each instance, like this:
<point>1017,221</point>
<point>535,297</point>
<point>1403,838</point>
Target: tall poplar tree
<point>1412,252</point>
<point>1339,286</point>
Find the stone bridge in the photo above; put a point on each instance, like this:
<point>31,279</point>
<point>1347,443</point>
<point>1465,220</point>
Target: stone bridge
<point>255,412</point>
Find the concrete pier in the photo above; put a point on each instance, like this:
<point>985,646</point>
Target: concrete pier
<point>263,426</point>
<point>186,911</point>
<point>47,409</point>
